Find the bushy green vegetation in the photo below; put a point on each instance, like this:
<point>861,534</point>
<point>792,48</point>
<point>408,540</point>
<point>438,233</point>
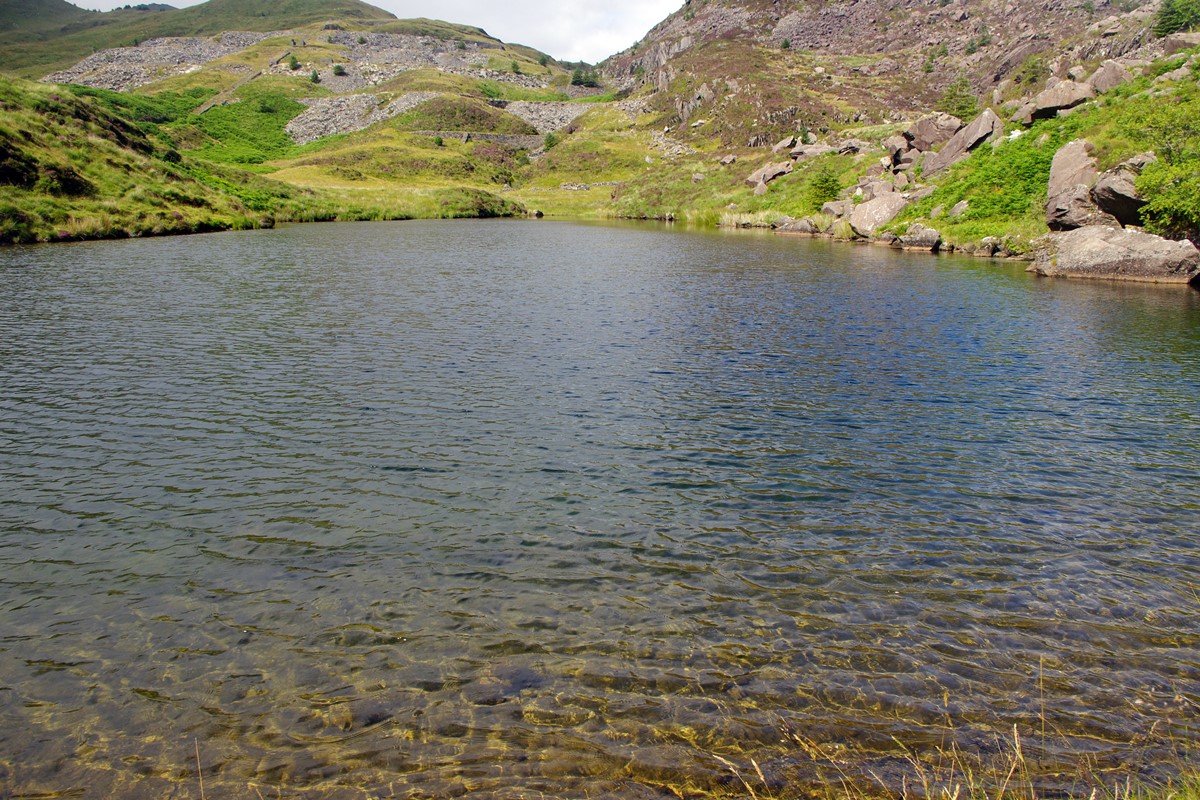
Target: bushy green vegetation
<point>1177,15</point>
<point>1173,182</point>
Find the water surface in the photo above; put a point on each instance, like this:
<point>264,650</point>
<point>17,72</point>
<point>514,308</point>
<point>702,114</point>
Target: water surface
<point>548,510</point>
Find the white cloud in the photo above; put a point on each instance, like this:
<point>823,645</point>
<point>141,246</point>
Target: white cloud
<point>572,30</point>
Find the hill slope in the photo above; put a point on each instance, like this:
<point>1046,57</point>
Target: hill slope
<point>61,37</point>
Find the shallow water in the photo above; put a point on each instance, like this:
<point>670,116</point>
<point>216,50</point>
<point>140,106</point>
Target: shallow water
<point>530,509</point>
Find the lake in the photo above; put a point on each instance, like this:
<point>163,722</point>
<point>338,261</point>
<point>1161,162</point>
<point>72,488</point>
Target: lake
<point>531,509</point>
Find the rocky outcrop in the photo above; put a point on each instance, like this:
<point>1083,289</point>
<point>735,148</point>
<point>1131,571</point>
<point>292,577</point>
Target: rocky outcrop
<point>868,216</point>
<point>1116,254</point>
<point>1074,208</point>
<point>124,68</point>
<point>1073,164</point>
<point>1069,203</point>
<point>984,127</point>
<point>546,117</point>
<point>1078,196</point>
<point>326,116</point>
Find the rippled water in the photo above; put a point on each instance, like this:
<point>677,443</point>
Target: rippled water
<point>528,509</point>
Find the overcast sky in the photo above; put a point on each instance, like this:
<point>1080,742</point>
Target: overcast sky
<point>572,30</point>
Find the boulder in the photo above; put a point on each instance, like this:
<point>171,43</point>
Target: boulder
<point>920,237</point>
<point>800,226</point>
<point>1072,165</point>
<point>868,216</point>
<point>1074,208</point>
<point>1024,113</point>
<point>1116,193</point>
<point>901,181</point>
<point>1069,202</point>
<point>807,151</point>
<point>1115,254</point>
<point>1178,42</point>
<point>876,188</point>
<point>1182,74</point>
<point>985,126</point>
<point>837,208</point>
<point>960,208</point>
<point>770,172</point>
<point>1063,95</point>
<point>895,145</point>
<point>1109,76</point>
<point>728,160</point>
<point>851,146</point>
<point>928,132</point>
<point>784,144</point>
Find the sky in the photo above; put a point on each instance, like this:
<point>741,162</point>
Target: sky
<point>570,30</point>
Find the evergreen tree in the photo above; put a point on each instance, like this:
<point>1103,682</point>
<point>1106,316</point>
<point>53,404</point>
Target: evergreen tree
<point>959,100</point>
<point>1177,15</point>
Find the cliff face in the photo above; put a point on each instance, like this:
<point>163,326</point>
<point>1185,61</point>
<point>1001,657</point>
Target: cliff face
<point>757,69</point>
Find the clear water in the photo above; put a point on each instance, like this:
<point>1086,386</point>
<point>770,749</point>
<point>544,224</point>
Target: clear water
<point>546,510</point>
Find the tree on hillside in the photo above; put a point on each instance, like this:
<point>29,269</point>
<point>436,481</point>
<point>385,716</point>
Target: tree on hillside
<point>1177,15</point>
<point>585,77</point>
<point>824,188</point>
<point>959,100</point>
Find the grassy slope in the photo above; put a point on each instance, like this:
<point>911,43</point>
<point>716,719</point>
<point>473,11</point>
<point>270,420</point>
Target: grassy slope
<point>70,169</point>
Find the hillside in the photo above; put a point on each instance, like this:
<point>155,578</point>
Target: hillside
<point>60,34</point>
<point>744,113</point>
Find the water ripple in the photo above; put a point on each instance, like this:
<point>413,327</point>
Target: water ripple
<point>446,508</point>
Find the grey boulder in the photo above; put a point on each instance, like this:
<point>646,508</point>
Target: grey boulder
<point>921,237</point>
<point>868,216</point>
<point>1116,254</point>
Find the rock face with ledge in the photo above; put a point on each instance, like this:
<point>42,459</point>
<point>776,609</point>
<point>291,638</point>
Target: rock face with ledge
<point>1116,254</point>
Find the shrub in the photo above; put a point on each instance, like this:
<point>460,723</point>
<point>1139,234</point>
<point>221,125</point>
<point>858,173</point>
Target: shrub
<point>293,63</point>
<point>786,44</point>
<point>315,77</point>
<point>362,40</point>
<point>551,140</point>
<point>339,70</point>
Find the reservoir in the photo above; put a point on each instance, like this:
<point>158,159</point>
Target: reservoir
<point>532,509</point>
